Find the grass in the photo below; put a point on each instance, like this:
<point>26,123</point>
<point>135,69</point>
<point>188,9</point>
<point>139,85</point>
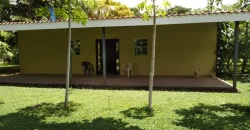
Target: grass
<point>42,108</point>
<point>8,65</point>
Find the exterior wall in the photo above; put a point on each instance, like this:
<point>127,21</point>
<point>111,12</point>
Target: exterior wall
<point>180,49</point>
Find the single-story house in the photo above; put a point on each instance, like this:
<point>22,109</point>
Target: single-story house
<point>184,43</point>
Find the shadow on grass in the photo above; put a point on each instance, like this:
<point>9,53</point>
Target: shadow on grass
<point>1,102</point>
<point>35,117</point>
<point>44,110</point>
<point>227,116</point>
<point>138,113</point>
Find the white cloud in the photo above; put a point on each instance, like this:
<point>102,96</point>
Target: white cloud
<point>186,3</point>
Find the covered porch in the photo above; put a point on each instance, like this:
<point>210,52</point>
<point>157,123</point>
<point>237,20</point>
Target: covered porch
<point>36,63</point>
<point>120,82</point>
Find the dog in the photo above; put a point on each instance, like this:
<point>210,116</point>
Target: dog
<point>88,67</point>
<point>197,73</point>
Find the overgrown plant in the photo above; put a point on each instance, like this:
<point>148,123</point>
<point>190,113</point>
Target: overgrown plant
<point>225,46</point>
<point>5,50</point>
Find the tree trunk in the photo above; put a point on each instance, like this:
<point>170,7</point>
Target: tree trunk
<point>66,104</point>
<point>245,59</point>
<point>151,78</point>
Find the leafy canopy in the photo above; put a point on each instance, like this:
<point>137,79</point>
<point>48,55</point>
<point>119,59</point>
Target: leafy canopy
<point>147,8</point>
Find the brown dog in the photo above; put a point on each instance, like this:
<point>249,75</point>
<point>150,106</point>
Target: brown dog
<point>197,73</point>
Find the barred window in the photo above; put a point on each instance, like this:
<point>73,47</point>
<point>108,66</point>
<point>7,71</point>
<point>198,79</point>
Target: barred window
<point>141,46</point>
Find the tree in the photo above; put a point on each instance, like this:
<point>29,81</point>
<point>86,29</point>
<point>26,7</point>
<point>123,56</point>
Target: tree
<point>244,45</point>
<point>72,11</point>
<point>225,44</point>
<point>213,5</point>
<point>5,51</point>
<point>66,104</point>
<point>151,80</point>
<point>149,11</point>
<point>136,11</point>
<point>80,16</point>
<point>179,10</point>
<point>107,9</point>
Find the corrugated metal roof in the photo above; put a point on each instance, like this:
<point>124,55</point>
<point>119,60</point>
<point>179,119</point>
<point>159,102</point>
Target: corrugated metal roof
<point>171,15</point>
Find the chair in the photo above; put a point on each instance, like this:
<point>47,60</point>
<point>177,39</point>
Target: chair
<point>127,67</point>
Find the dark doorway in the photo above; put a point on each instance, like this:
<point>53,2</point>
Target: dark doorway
<point>112,56</point>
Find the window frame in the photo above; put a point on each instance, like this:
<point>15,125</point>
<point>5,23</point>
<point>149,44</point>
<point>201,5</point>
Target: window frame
<point>144,47</point>
<point>74,49</point>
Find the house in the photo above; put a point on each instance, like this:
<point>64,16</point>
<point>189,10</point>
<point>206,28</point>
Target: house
<point>184,43</point>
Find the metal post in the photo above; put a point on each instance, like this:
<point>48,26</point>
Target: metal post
<point>236,51</point>
<point>103,54</point>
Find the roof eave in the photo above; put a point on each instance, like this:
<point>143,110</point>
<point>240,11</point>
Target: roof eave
<point>187,19</point>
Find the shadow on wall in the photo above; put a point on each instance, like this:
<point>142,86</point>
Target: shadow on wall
<point>226,116</point>
<point>33,117</point>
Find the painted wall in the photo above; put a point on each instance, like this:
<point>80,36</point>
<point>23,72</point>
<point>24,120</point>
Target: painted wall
<point>180,49</point>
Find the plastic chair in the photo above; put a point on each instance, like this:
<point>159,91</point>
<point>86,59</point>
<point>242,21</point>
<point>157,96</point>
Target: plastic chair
<point>127,67</point>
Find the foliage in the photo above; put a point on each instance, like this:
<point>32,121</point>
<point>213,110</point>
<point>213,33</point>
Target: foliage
<point>38,108</point>
<point>225,48</point>
<point>136,11</point>
<point>88,8</point>
<point>5,50</point>
<point>147,8</point>
<point>114,9</point>
<point>179,10</point>
<point>244,44</point>
<point>61,10</point>
<point>214,5</point>
<point>198,10</point>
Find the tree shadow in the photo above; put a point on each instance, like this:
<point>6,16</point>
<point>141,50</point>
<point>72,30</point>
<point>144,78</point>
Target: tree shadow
<point>96,124</point>
<point>44,110</point>
<point>1,102</point>
<point>227,116</point>
<point>34,117</point>
<point>138,113</point>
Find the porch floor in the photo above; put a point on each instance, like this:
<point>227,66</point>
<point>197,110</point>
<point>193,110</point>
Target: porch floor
<point>118,82</point>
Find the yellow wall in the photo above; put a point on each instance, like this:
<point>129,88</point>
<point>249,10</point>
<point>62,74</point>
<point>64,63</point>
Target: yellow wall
<point>180,49</point>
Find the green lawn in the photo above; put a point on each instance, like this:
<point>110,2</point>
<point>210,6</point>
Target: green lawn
<point>8,65</point>
<point>41,108</point>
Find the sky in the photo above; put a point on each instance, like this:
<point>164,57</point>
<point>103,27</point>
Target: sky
<point>185,3</point>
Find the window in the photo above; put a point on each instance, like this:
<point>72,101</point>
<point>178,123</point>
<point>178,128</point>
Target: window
<point>141,47</point>
<point>75,47</point>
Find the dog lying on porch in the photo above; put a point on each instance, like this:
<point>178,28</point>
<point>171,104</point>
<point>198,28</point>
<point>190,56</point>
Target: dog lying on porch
<point>87,68</point>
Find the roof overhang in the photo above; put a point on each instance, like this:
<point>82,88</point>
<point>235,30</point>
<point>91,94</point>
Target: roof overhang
<point>121,22</point>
